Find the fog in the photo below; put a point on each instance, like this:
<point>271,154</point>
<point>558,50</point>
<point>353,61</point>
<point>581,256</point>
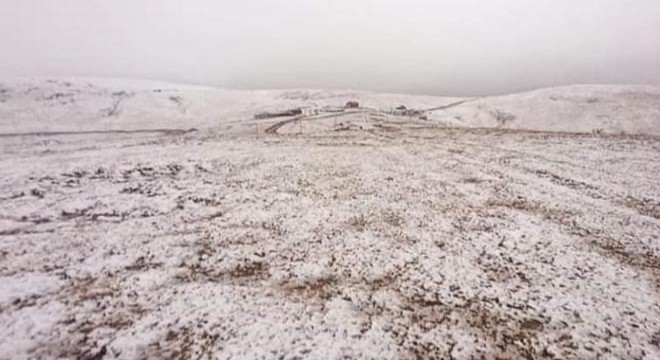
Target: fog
<point>448,47</point>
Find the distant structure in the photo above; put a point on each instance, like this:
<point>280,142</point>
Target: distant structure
<point>352,105</point>
<point>284,113</point>
<point>332,109</point>
<point>308,111</point>
<point>402,110</point>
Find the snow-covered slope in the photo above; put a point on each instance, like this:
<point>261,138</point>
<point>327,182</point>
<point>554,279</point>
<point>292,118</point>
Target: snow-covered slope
<point>368,234</point>
<point>584,108</point>
<point>75,104</point>
<point>29,105</point>
<point>395,243</point>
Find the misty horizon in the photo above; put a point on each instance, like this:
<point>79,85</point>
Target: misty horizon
<point>422,47</point>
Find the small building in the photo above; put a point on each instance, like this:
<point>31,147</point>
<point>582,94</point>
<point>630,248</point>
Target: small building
<point>308,111</point>
<point>284,113</point>
<point>332,109</point>
<point>404,111</point>
<point>352,105</point>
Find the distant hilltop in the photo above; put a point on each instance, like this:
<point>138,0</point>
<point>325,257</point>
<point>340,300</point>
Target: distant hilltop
<point>66,104</point>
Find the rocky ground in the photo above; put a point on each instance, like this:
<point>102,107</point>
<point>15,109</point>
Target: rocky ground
<point>384,242</point>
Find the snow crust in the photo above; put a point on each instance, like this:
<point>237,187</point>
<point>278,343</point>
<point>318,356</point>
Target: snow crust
<point>369,235</point>
<point>75,104</point>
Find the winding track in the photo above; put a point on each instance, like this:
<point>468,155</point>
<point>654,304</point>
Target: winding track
<point>451,105</point>
<point>273,128</point>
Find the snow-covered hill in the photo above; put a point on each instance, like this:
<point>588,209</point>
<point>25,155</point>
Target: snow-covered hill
<point>584,108</point>
<point>29,105</point>
<point>75,104</point>
<point>367,234</point>
<point>386,243</point>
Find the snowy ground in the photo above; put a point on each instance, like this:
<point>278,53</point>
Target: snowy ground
<point>353,235</point>
<point>384,239</point>
<point>72,104</point>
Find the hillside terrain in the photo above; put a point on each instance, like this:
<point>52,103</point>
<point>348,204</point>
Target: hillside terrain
<point>150,221</point>
<point>37,105</point>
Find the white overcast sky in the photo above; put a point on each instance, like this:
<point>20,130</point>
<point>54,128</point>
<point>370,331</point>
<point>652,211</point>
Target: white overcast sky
<point>425,46</point>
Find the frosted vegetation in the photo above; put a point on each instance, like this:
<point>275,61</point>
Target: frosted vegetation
<point>143,220</point>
